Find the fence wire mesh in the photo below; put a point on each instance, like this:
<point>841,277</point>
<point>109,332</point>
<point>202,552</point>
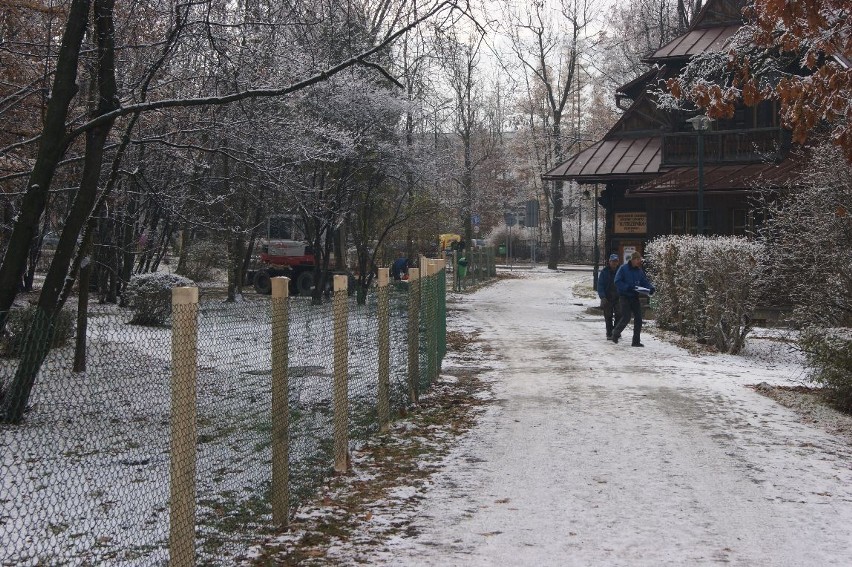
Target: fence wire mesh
<point>311,397</point>
<point>101,459</point>
<point>400,400</point>
<point>428,327</point>
<point>475,267</point>
<point>85,473</point>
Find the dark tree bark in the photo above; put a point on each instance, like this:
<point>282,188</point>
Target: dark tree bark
<point>39,337</point>
<point>35,255</point>
<point>247,255</point>
<point>51,148</point>
<point>83,308</point>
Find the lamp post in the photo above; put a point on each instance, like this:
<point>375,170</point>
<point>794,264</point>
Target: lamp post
<point>579,230</point>
<point>700,124</point>
<point>597,250</point>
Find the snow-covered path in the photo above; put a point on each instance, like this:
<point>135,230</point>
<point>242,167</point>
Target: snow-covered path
<point>603,454</point>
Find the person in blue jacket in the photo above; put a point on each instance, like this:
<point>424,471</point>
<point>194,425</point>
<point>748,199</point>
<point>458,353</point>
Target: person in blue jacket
<point>609,294</point>
<point>399,268</point>
<point>631,283</point>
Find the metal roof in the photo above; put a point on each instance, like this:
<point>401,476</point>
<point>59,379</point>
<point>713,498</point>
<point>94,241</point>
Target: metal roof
<point>610,159</point>
<point>694,42</point>
<point>720,178</point>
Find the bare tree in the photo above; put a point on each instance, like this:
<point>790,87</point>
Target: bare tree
<point>460,58</point>
<point>635,30</point>
<point>547,39</point>
<point>162,86</point>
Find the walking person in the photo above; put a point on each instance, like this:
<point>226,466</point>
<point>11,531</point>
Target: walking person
<point>399,268</point>
<point>631,282</point>
<point>609,294</point>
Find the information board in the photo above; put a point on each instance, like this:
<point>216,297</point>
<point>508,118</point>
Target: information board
<point>631,223</point>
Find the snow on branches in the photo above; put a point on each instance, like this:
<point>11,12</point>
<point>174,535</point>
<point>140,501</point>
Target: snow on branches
<point>707,287</point>
<point>798,53</point>
<point>150,296</point>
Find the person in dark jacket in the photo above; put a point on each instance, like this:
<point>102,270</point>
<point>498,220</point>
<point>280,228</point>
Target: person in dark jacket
<point>609,294</point>
<point>399,268</point>
<point>631,283</point>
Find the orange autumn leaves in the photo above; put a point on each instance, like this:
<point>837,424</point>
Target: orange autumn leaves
<point>816,89</point>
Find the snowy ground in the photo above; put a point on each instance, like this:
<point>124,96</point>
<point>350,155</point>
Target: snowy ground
<point>85,480</point>
<point>600,454</point>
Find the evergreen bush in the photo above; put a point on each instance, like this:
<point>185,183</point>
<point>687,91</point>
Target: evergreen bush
<point>150,297</point>
<point>808,228</point>
<point>829,355</point>
<point>21,320</point>
<point>707,287</point>
<point>203,259</point>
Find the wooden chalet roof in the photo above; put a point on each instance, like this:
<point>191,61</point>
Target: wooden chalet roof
<point>635,88</point>
<point>695,42</point>
<point>720,178</point>
<point>631,150</point>
<point>610,159</point>
<point>714,25</point>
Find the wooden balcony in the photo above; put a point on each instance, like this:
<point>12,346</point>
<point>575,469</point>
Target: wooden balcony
<point>725,146</point>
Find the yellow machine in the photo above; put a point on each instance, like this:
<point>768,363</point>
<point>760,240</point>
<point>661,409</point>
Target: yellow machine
<point>446,241</point>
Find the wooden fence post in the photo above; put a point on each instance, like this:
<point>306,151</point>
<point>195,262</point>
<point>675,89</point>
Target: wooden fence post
<point>280,401</point>
<point>383,393</point>
<point>184,426</point>
<point>413,333</point>
<point>341,378</point>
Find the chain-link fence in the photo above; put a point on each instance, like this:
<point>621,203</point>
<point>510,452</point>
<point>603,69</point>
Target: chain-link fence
<point>473,267</point>
<point>186,443</point>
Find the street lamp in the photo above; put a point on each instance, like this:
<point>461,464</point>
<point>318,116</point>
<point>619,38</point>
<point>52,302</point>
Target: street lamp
<point>700,124</point>
<point>597,250</point>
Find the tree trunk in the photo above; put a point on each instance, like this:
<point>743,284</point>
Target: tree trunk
<point>236,253</point>
<point>83,308</point>
<point>143,266</point>
<point>467,190</point>
<point>114,263</point>
<point>40,335</point>
<point>51,149</point>
<point>556,196</point>
<point>162,247</point>
<point>184,247</point>
<point>556,226</point>
<point>128,243</point>
<point>247,255</point>
<point>35,255</point>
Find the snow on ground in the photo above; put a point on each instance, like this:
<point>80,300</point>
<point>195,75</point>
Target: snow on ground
<point>85,480</point>
<point>602,454</point>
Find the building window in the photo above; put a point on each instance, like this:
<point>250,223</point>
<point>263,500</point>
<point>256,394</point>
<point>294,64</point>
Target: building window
<point>744,222</point>
<point>766,114</point>
<point>686,221</point>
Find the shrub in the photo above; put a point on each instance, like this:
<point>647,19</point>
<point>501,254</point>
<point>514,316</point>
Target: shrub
<point>829,355</point>
<point>21,320</point>
<point>707,287</point>
<point>807,228</point>
<point>203,259</point>
<point>150,297</point>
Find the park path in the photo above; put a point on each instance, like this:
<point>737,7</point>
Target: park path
<point>603,454</point>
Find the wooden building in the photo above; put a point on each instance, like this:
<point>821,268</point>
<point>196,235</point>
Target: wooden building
<point>648,161</point>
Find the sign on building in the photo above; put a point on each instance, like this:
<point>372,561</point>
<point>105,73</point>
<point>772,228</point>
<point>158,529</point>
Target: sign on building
<point>630,223</point>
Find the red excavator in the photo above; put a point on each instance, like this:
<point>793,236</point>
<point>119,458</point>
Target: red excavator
<point>284,252</point>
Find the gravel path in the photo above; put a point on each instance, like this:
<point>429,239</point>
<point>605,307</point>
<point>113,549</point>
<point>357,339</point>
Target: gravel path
<point>603,454</point>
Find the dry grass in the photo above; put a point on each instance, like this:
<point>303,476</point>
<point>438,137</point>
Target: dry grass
<point>812,405</point>
<point>404,459</point>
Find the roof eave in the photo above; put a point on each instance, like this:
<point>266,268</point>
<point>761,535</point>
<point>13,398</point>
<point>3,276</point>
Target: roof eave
<point>588,179</point>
